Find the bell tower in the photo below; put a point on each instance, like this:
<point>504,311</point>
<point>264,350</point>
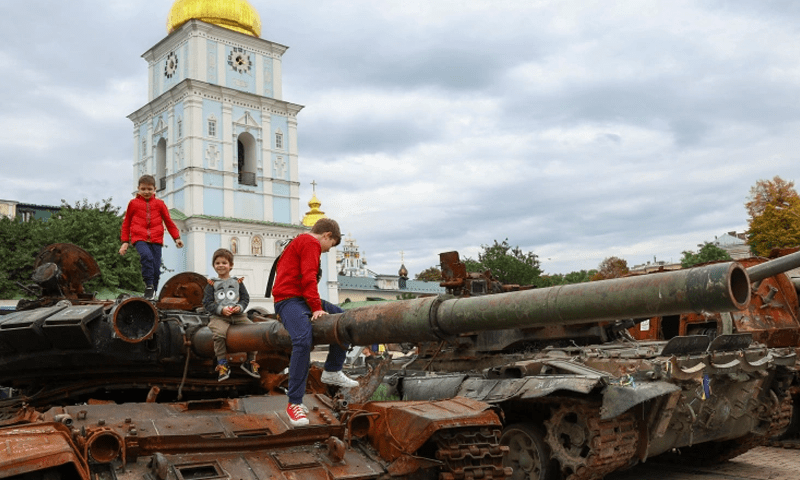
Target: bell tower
<point>219,138</point>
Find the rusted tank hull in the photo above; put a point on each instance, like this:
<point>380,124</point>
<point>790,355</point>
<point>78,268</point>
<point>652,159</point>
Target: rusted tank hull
<point>252,438</point>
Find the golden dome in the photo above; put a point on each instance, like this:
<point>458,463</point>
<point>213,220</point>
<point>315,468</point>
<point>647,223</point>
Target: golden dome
<point>315,213</point>
<point>236,15</point>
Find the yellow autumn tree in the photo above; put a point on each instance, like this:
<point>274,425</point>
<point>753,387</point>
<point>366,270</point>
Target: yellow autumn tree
<point>774,209</point>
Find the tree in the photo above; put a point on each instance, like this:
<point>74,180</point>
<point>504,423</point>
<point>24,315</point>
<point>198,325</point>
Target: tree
<point>556,279</point>
<point>509,265</point>
<point>707,253</point>
<point>774,208</point>
<point>765,193</point>
<point>430,274</point>
<point>611,267</point>
<point>93,227</point>
<point>19,244</point>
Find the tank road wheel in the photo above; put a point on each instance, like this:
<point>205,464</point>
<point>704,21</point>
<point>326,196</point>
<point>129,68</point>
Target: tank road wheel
<point>586,447</point>
<point>528,454</point>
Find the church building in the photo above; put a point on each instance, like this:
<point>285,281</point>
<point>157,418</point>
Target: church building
<point>222,142</point>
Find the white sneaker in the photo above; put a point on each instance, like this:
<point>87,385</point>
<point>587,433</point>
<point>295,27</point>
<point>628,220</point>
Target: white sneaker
<point>339,379</point>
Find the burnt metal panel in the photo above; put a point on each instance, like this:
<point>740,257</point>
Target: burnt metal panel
<point>68,328</point>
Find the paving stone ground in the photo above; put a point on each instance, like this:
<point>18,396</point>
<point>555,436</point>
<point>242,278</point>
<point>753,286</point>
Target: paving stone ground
<point>762,463</point>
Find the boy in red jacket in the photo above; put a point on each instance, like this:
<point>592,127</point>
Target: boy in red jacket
<point>143,226</point>
<point>297,304</point>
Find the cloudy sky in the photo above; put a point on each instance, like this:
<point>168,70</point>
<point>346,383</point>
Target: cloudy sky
<point>577,130</point>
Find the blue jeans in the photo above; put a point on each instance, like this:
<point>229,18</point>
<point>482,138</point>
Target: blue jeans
<point>150,254</point>
<point>296,317</point>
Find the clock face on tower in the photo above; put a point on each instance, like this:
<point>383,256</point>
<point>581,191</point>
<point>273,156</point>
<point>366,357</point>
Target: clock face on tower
<point>171,66</point>
<point>239,60</point>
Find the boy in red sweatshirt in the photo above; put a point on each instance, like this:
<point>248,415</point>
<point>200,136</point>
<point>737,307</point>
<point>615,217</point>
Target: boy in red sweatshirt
<point>297,304</point>
<point>143,226</point>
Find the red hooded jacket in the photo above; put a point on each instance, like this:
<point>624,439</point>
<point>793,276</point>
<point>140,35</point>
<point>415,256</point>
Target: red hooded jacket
<point>144,221</point>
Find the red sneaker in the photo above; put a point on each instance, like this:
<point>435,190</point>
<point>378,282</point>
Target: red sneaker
<point>297,415</point>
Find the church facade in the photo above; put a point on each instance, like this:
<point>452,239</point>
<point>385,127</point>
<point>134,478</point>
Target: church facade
<point>222,143</point>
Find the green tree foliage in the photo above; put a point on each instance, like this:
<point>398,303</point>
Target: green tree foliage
<point>431,274</point>
<point>93,227</point>
<point>566,279</point>
<point>774,209</point>
<point>611,267</point>
<point>19,244</point>
<point>507,264</point>
<point>707,253</point>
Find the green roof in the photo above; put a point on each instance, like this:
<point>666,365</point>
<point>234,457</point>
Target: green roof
<point>365,303</point>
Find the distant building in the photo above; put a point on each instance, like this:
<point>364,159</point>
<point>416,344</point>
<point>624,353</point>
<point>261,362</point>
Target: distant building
<point>26,211</point>
<point>358,284</point>
<point>350,261</point>
<point>655,266</point>
<point>734,243</point>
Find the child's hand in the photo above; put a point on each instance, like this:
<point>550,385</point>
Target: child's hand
<point>226,311</point>
<point>123,248</point>
<point>179,243</point>
<point>318,314</point>
<point>236,309</point>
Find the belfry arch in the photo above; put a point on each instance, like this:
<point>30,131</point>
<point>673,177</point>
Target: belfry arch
<point>246,158</point>
<point>161,164</point>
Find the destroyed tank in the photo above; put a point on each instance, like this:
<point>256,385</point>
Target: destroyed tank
<point>772,318</point>
<point>126,388</point>
<point>580,398</point>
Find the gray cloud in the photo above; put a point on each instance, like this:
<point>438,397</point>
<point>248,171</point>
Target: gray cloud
<point>577,131</point>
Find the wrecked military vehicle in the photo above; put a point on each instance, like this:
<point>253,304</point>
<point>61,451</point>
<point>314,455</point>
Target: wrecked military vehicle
<point>126,389</point>
<point>579,397</point>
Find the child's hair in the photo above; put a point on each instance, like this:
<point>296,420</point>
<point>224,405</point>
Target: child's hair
<point>224,253</point>
<point>147,180</point>
<point>325,225</point>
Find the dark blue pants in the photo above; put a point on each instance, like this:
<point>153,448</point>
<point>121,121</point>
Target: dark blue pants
<point>296,318</point>
<point>150,254</point>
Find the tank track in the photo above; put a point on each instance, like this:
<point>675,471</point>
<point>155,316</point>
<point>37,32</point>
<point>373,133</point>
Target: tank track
<point>586,447</point>
<point>469,454</point>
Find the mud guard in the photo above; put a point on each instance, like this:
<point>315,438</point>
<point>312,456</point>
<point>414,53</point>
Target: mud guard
<point>402,428</point>
<point>39,447</point>
<point>618,399</point>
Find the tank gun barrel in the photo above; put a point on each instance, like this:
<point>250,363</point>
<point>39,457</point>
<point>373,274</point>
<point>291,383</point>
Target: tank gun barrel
<point>773,267</point>
<point>720,287</point>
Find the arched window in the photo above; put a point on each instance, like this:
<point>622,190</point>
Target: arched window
<point>161,165</point>
<point>246,159</point>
